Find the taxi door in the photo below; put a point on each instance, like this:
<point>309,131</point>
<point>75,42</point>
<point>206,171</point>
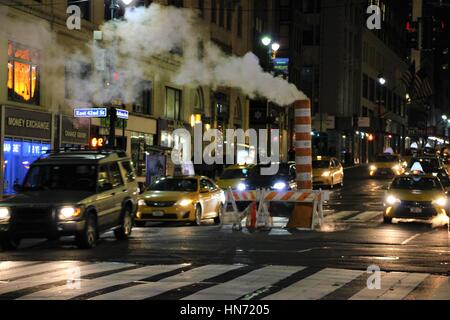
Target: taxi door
<point>205,198</point>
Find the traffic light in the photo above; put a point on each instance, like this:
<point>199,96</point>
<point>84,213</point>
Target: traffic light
<point>412,34</point>
<point>97,143</point>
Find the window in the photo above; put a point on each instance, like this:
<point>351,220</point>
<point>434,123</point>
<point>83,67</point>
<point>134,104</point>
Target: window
<point>222,13</point>
<point>173,104</point>
<point>214,11</point>
<point>85,7</point>
<point>116,176</point>
<point>239,22</point>
<point>104,181</point>
<point>199,103</point>
<point>229,16</point>
<point>176,3</point>
<point>365,86</point>
<point>144,102</point>
<point>23,74</point>
<point>201,8</point>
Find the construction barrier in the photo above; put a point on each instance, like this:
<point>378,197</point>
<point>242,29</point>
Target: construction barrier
<point>259,216</point>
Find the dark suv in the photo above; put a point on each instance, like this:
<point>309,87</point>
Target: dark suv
<point>72,193</point>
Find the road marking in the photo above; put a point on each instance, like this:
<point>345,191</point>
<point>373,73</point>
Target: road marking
<point>245,284</point>
<point>279,232</point>
<point>90,285</point>
<point>443,291</point>
<point>411,239</point>
<point>57,276</point>
<point>339,216</point>
<point>29,271</point>
<point>15,264</point>
<point>317,285</point>
<point>366,216</point>
<point>148,290</point>
<point>394,286</point>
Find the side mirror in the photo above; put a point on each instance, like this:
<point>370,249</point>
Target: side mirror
<point>204,190</point>
<point>18,187</point>
<point>141,187</point>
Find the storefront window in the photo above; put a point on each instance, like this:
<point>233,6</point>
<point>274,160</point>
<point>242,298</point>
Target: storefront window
<point>23,74</point>
<point>140,147</point>
<point>173,104</point>
<point>19,155</point>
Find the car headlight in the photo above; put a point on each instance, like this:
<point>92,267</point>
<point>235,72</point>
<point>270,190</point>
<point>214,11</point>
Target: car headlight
<point>5,213</point>
<point>184,202</point>
<point>442,202</point>
<point>396,168</point>
<point>391,200</point>
<point>241,187</point>
<point>373,168</point>
<point>280,186</point>
<point>69,212</point>
<point>141,203</point>
<point>326,174</point>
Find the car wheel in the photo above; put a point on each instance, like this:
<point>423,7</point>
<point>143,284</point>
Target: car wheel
<point>140,224</point>
<point>198,216</point>
<point>8,243</point>
<point>87,239</point>
<point>387,220</point>
<point>218,219</point>
<point>124,231</point>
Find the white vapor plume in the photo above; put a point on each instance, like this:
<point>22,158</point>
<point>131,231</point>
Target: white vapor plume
<point>158,30</point>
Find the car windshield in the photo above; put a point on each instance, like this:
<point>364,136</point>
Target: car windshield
<point>257,173</point>
<point>78,177</point>
<point>235,174</point>
<point>416,183</point>
<point>178,185</point>
<point>321,164</point>
<point>429,165</point>
<point>387,158</point>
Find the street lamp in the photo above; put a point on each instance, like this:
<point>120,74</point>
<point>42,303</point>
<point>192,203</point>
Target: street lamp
<point>114,6</point>
<point>382,81</point>
<point>273,48</point>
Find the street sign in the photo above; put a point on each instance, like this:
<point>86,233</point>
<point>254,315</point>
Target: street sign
<point>90,113</point>
<point>122,114</point>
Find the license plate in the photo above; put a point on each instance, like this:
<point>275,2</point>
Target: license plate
<point>416,210</point>
<point>158,213</point>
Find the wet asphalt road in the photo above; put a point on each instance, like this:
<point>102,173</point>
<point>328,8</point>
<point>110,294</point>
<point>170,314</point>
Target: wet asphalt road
<point>354,238</point>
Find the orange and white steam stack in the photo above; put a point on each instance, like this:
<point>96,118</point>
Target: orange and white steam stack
<point>302,216</point>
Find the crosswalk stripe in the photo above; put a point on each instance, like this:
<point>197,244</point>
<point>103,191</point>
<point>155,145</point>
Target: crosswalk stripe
<point>90,285</point>
<point>394,286</point>
<point>34,269</point>
<point>57,276</point>
<point>317,285</point>
<point>148,290</point>
<point>443,291</point>
<point>245,284</point>
<point>366,216</point>
<point>15,264</point>
<point>339,215</point>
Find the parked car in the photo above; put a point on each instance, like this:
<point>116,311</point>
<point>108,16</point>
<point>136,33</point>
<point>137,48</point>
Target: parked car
<point>72,193</point>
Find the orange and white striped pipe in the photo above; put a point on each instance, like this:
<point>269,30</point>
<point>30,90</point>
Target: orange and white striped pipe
<point>303,145</point>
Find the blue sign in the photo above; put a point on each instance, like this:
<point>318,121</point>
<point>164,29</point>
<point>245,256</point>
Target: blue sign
<point>281,65</point>
<point>90,113</point>
<point>122,114</point>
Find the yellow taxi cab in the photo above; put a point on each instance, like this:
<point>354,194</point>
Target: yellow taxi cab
<point>387,165</point>
<point>416,196</point>
<point>181,199</point>
<point>327,172</point>
<point>234,177</point>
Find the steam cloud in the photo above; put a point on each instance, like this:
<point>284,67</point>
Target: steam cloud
<point>150,32</point>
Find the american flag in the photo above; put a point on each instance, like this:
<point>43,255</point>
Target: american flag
<point>418,84</point>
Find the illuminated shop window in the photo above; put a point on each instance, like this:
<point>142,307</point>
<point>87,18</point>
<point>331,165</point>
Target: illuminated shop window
<point>23,74</point>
